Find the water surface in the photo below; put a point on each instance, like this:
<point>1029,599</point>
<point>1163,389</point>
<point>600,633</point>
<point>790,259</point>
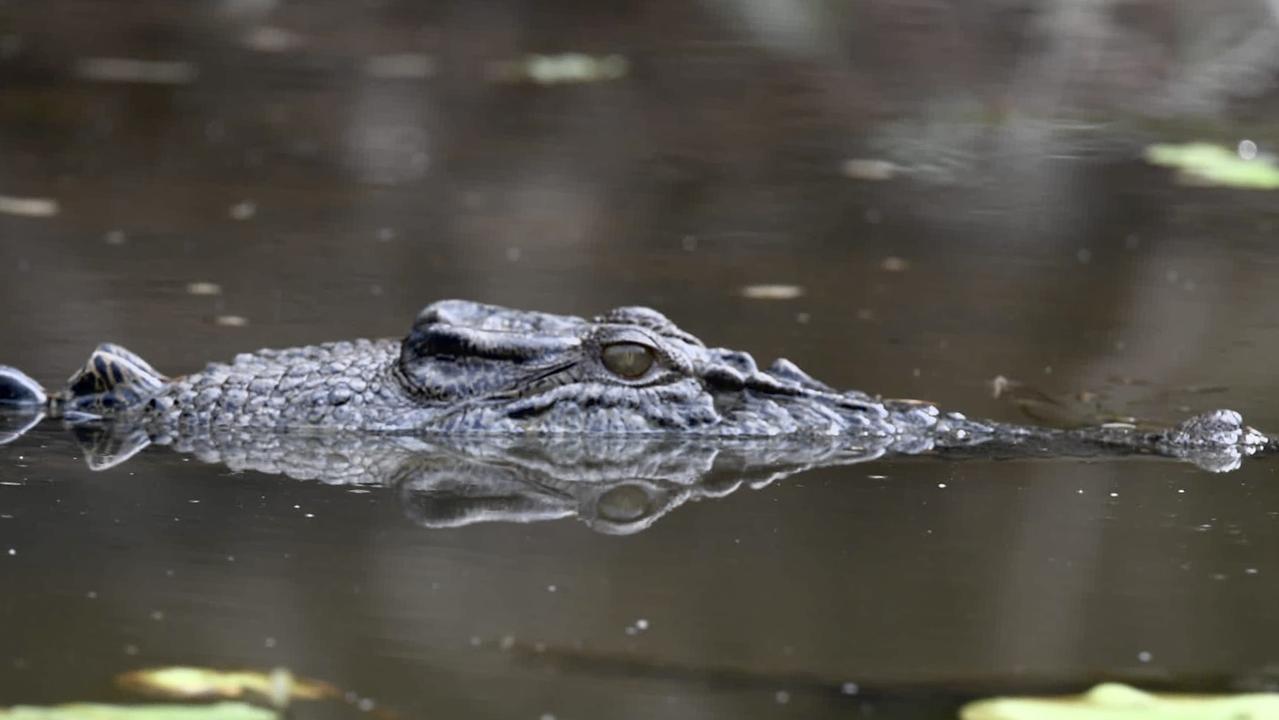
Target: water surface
<point>288,188</point>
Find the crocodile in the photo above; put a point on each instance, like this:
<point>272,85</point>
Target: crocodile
<point>468,368</point>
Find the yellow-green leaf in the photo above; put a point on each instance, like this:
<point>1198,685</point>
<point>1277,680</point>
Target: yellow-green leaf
<point>96,711</point>
<point>278,686</point>
<point>1201,163</point>
<point>1114,701</point>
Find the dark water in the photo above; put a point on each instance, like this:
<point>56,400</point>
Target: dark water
<point>327,197</point>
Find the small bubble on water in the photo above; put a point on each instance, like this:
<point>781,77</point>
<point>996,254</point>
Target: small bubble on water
<point>513,254</point>
<point>849,688</point>
<point>131,650</point>
<point>546,716</point>
<point>782,697</point>
<point>1144,656</point>
<point>551,588</point>
<point>641,624</point>
<point>1084,256</point>
<point>1247,149</point>
<point>114,237</point>
<point>1251,571</point>
<point>157,615</point>
<point>941,486</point>
<point>268,642</point>
<point>1114,494</point>
<point>366,704</point>
<point>13,551</point>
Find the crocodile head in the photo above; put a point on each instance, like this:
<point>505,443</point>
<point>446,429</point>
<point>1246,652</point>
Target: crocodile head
<point>628,371</point>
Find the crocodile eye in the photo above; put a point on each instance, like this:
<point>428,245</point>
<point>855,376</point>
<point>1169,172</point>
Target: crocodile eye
<point>628,360</point>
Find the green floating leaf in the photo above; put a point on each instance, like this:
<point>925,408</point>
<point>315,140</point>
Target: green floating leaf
<point>278,686</point>
<point>1114,701</point>
<point>95,711</point>
<point>1201,163</point>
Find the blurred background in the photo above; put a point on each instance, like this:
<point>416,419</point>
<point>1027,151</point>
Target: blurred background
<point>952,189</point>
<point>909,197</point>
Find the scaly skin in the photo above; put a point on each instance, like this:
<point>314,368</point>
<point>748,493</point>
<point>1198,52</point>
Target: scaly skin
<point>468,368</point>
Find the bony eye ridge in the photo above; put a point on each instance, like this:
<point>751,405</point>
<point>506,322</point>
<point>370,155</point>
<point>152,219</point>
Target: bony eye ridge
<point>627,359</point>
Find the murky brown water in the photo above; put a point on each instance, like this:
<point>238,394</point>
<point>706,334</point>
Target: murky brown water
<point>331,170</point>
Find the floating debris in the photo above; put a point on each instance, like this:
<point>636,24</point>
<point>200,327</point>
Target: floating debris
<point>1205,164</point>
<point>893,263</point>
<point>400,66</point>
<point>559,69</point>
<point>271,39</point>
<point>204,288</point>
<point>130,70</point>
<point>772,292</point>
<point>243,210</point>
<point>1114,701</point>
<point>29,206</point>
<point>868,169</point>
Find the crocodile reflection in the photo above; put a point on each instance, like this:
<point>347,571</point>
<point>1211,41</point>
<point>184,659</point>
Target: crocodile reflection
<point>616,485</point>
